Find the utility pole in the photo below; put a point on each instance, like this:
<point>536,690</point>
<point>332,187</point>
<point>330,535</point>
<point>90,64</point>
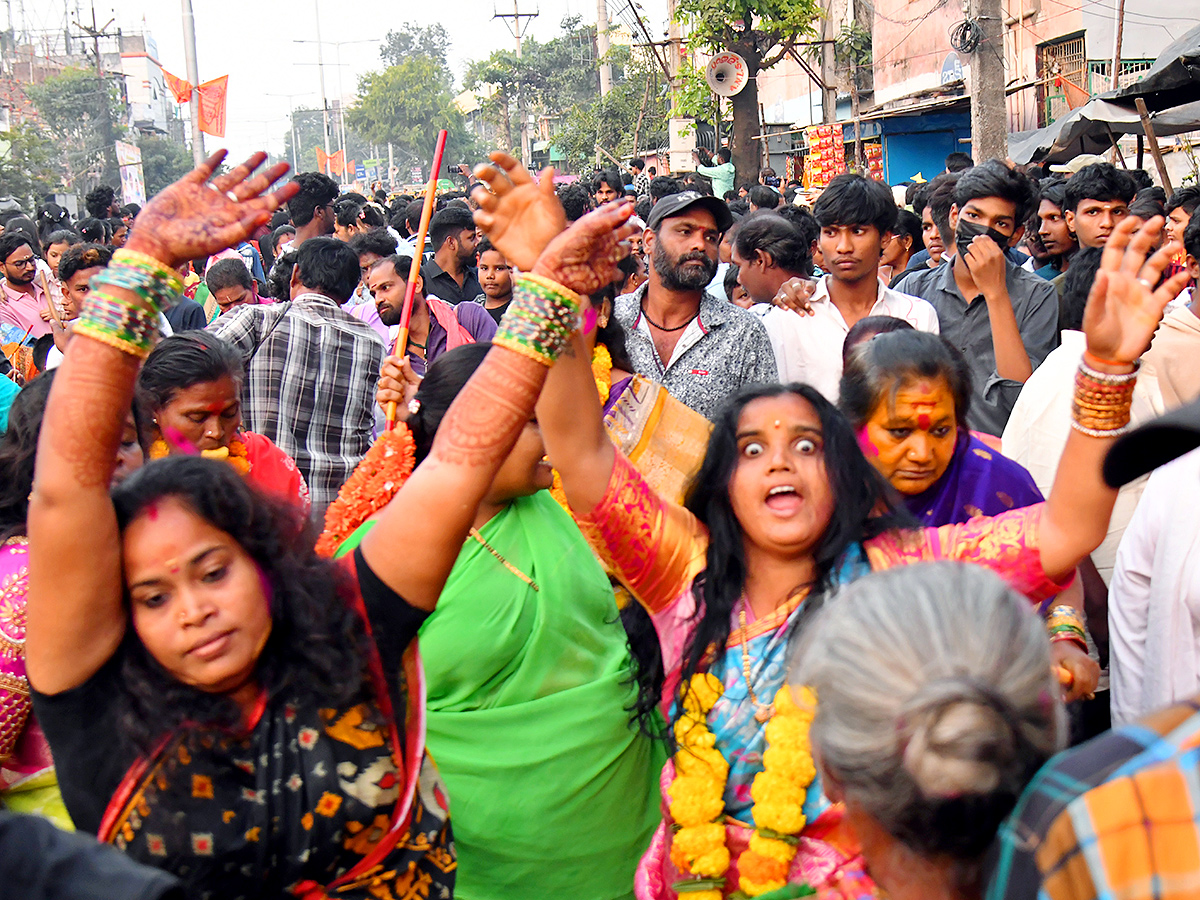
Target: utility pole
<point>602,47</point>
<point>1118,29</point>
<point>989,130</point>
<point>828,66</point>
<point>518,30</point>
<point>106,124</point>
<point>193,76</point>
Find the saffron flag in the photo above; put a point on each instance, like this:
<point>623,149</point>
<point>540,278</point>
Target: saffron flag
<point>180,89</point>
<point>212,106</point>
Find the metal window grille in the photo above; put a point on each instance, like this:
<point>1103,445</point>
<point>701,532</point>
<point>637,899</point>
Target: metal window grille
<point>1062,78</point>
<point>1132,70</point>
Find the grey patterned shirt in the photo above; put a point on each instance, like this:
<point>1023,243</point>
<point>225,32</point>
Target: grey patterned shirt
<point>309,385</point>
<point>724,348</point>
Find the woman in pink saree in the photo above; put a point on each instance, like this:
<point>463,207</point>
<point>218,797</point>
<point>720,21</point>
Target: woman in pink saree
<point>784,510</point>
<point>27,780</point>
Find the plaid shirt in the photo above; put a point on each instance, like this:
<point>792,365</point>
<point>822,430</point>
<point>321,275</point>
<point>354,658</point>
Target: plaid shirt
<point>1118,817</point>
<point>310,384</point>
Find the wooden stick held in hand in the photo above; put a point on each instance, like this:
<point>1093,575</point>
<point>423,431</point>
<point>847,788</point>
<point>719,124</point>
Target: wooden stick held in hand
<point>414,270</point>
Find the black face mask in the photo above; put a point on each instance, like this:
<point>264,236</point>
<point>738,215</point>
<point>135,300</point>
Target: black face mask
<point>967,231</point>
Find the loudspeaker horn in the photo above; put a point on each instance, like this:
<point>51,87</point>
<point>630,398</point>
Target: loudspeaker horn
<point>726,74</point>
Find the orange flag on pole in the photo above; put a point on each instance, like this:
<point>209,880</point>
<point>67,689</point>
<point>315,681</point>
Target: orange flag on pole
<point>212,106</point>
<point>180,89</point>
<point>322,159</point>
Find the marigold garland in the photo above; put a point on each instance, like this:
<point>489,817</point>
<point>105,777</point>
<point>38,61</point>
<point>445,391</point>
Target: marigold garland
<point>697,795</point>
<point>235,454</point>
<point>369,488</point>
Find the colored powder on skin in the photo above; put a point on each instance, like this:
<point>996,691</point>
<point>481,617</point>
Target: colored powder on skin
<point>923,421</point>
<point>867,445</point>
<point>152,512</point>
<point>181,443</point>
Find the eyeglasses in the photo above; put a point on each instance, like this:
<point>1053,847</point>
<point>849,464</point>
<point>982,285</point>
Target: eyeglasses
<point>27,261</point>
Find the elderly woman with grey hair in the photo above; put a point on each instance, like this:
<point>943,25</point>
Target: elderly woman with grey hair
<point>936,706</point>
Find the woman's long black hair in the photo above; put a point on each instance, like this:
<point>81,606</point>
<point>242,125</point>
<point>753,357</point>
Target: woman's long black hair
<point>18,450</point>
<point>318,647</point>
<point>863,508</point>
<point>445,378</point>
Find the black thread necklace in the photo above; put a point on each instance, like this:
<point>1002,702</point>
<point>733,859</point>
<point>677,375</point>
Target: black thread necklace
<point>642,307</point>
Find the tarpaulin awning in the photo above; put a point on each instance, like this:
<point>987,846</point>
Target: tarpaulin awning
<point>1089,129</point>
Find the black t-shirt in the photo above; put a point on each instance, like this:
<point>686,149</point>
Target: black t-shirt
<point>83,727</point>
<point>498,312</point>
<point>186,315</point>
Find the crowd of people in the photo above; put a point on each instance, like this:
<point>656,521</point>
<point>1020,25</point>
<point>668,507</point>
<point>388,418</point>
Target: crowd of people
<point>704,539</point>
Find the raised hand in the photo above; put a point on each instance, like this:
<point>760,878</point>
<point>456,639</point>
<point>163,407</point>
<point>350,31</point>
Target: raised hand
<point>398,384</point>
<point>195,217</point>
<point>585,256</point>
<point>1124,307</point>
<point>519,216</point>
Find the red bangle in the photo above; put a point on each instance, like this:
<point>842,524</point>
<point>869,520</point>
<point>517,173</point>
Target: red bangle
<point>1088,354</point>
<point>1082,645</point>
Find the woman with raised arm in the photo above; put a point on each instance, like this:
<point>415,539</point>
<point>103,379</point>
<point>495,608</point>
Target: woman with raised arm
<point>786,507</point>
<point>222,702</point>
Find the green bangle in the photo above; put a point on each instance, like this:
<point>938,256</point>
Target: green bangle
<point>541,319</point>
<point>129,328</point>
<point>154,284</point>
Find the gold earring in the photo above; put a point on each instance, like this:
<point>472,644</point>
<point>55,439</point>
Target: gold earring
<point>602,322</point>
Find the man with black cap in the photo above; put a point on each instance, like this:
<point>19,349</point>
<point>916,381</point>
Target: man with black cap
<point>701,348</point>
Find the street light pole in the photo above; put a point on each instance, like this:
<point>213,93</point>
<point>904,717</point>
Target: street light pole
<point>324,101</point>
<point>193,75</point>
<point>341,96</point>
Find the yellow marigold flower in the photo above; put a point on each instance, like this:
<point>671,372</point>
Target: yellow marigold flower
<point>695,800</point>
<point>783,730</point>
<point>691,732</point>
<point>780,851</point>
<point>758,888</point>
<point>806,698</point>
<point>704,761</point>
<point>758,874</point>
<point>778,803</point>
<point>701,850</point>
<point>794,763</point>
<point>704,895</point>
<point>703,691</point>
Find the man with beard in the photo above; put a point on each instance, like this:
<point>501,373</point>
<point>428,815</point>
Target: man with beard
<point>699,347</point>
<point>21,297</point>
<point>451,270</point>
<point>435,326</point>
<point>1003,319</point>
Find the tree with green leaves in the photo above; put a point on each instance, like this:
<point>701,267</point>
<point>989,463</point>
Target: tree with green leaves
<point>407,104</point>
<point>163,162</point>
<point>28,166</point>
<point>413,40</point>
<point>71,105</point>
<point>762,32</point>
<point>554,78</point>
<point>631,117</point>
<point>852,52</point>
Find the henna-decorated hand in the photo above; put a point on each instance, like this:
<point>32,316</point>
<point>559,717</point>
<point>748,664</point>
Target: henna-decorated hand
<point>585,256</point>
<point>1124,307</point>
<point>520,217</point>
<point>195,217</point>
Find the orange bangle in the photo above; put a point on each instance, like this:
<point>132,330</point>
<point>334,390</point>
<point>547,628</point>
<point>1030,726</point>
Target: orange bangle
<point>1088,354</point>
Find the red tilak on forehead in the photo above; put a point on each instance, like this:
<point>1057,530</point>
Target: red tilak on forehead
<point>215,408</point>
<point>923,421</point>
<point>152,511</point>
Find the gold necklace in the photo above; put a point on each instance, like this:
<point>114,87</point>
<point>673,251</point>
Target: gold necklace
<point>504,562</point>
<point>762,712</point>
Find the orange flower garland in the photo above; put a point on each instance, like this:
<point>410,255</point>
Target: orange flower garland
<point>697,796</point>
<point>369,488</point>
<point>235,454</point>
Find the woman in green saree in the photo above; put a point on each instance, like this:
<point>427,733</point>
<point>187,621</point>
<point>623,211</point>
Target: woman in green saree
<point>531,688</point>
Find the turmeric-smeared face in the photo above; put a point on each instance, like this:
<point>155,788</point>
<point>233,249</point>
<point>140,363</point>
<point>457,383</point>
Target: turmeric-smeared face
<point>911,440</point>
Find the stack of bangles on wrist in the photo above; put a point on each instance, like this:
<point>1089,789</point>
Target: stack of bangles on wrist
<point>1065,623</point>
<point>131,327</point>
<point>1101,404</point>
<point>541,319</point>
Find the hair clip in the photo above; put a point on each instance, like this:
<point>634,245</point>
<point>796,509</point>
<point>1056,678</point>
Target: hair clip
<point>414,406</point>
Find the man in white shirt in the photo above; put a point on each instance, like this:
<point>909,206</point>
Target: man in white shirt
<point>856,216</point>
